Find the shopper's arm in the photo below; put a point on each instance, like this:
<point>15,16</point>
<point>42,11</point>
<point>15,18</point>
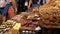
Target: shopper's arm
<point>30,2</point>
<point>14,5</point>
<point>44,2</point>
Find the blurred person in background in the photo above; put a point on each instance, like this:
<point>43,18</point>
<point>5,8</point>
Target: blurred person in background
<point>26,5</point>
<point>4,6</point>
<point>49,2</point>
<point>20,5</point>
<point>34,3</point>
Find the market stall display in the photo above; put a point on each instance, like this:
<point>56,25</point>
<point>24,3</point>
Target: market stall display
<point>28,21</point>
<point>14,29</point>
<point>50,19</point>
<point>5,26</point>
<point>50,15</point>
<point>46,17</point>
<point>10,27</point>
<point>43,16</point>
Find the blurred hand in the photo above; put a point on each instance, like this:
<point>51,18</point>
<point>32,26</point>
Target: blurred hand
<point>28,7</point>
<point>15,10</point>
<point>4,4</point>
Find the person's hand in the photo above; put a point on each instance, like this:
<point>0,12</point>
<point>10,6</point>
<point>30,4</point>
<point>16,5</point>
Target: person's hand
<point>28,7</point>
<point>4,4</point>
<point>15,10</point>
